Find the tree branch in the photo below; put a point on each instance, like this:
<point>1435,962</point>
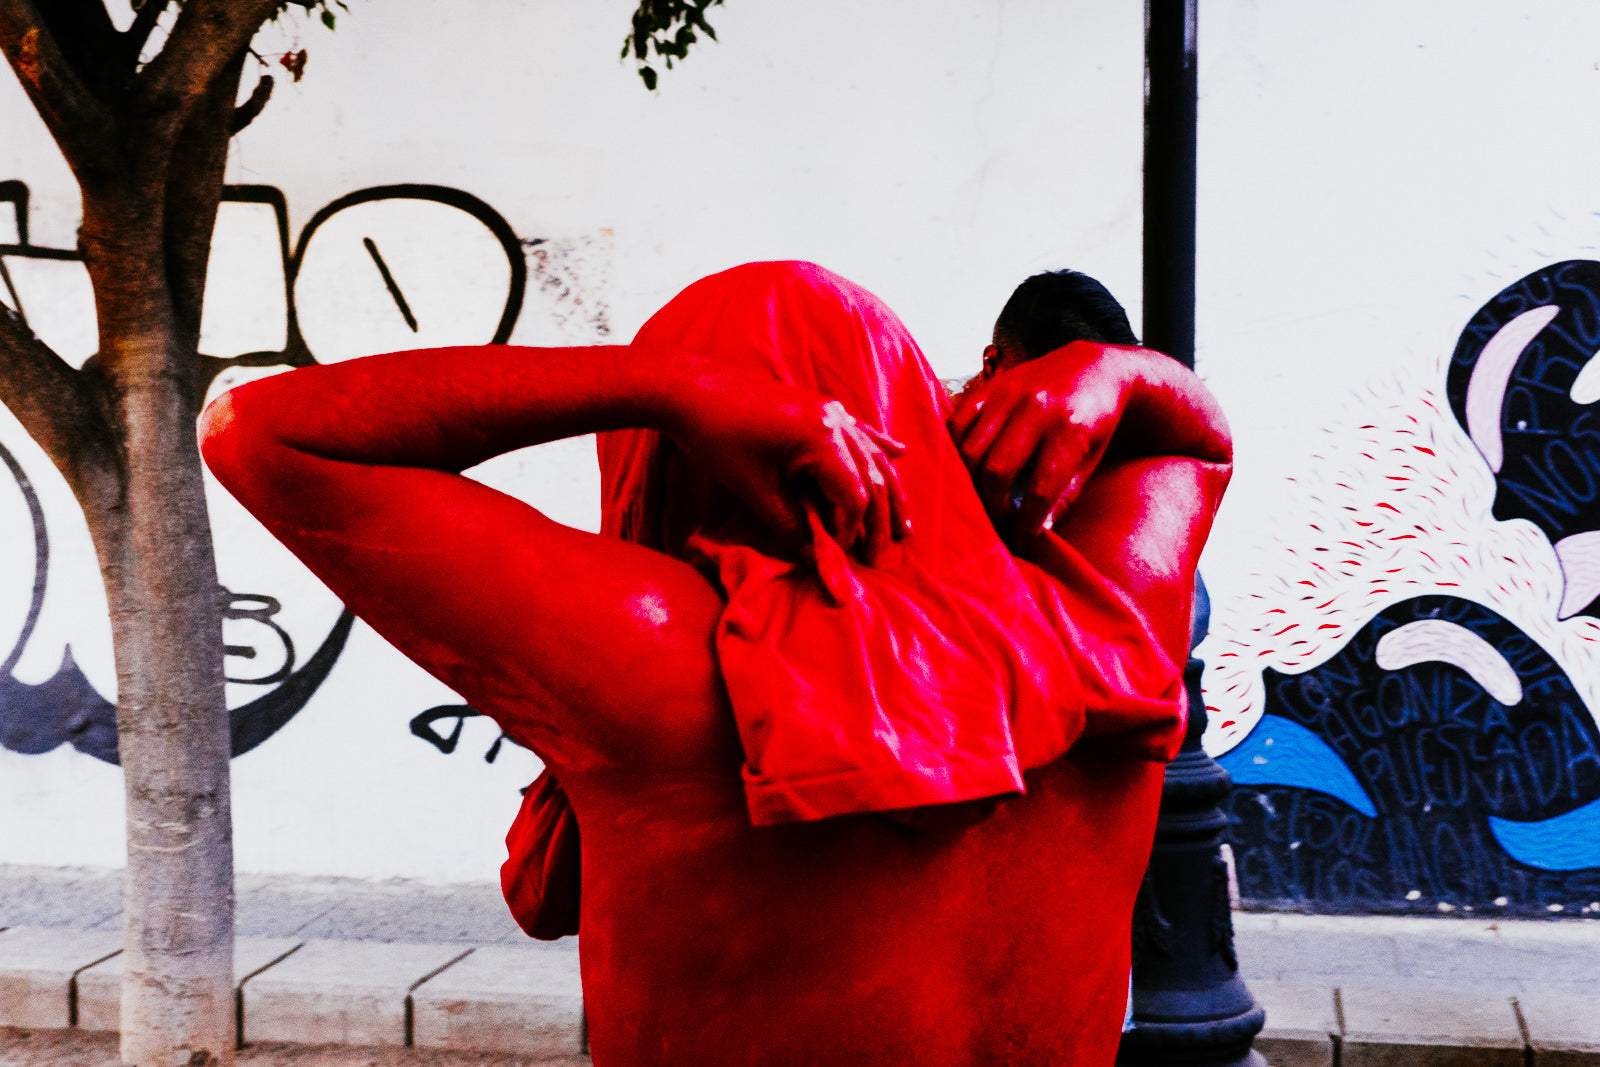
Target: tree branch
<point>246,113</point>
<point>144,24</point>
<point>193,193</point>
<point>91,44</point>
<point>208,36</point>
<point>55,405</point>
<point>81,124</point>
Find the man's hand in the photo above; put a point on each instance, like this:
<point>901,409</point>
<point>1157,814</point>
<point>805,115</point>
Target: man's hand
<point>779,447</point>
<point>1035,432</point>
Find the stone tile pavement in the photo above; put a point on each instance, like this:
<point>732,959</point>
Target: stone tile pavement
<point>391,974</point>
<point>381,970</point>
<point>1376,991</point>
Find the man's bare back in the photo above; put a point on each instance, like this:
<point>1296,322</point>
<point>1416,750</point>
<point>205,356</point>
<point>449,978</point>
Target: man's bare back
<point>996,933</point>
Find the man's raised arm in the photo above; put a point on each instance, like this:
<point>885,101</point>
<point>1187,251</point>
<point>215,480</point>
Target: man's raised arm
<point>1120,452</point>
<point>449,409</point>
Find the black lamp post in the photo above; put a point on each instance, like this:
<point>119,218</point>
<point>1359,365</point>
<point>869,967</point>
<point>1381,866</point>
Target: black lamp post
<point>1189,1004</point>
<point>1170,91</point>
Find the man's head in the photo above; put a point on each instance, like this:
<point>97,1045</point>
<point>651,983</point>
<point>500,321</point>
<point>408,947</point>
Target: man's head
<point>1053,309</point>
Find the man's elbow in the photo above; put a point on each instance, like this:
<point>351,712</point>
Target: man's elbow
<point>1214,436</point>
<point>234,439</point>
<point>217,431</point>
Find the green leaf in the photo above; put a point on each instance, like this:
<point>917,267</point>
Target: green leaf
<point>667,27</point>
<point>327,18</point>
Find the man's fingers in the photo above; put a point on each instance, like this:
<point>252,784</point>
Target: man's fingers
<point>885,520</point>
<point>975,443</point>
<point>1011,452</point>
<point>878,522</point>
<point>899,519</point>
<point>782,509</point>
<point>892,447</point>
<point>1065,465</point>
<point>880,514</point>
<point>844,485</point>
<point>1055,477</point>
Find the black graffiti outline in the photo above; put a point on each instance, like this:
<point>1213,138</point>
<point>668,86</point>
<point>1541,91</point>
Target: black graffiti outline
<point>295,353</point>
<point>270,606</point>
<point>516,286</point>
<point>1549,451</point>
<point>422,726</point>
<point>390,284</point>
<point>257,720</point>
<point>66,708</point>
<point>82,716</point>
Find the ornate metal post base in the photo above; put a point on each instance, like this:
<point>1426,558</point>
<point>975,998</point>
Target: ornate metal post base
<point>1189,1004</point>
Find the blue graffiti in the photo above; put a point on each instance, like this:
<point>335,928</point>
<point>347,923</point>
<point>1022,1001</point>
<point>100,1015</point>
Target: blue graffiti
<point>1281,752</point>
<point>1405,787</point>
<point>1466,772</point>
<point>1568,842</point>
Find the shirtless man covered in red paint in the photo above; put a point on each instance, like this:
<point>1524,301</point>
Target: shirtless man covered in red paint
<point>857,784</point>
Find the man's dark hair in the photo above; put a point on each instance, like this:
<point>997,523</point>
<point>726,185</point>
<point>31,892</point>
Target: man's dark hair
<point>1058,307</point>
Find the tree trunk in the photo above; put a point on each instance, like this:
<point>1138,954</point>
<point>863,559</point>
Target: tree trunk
<point>147,143</point>
<point>153,539</point>
<point>172,734</point>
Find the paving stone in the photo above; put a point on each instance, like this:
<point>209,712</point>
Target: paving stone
<point>341,992</point>
<point>1429,1028</point>
<point>350,909</point>
<point>503,999</point>
<point>325,910</point>
<point>85,1048</point>
<point>1301,1020</point>
<point>1416,952</point>
<point>60,896</point>
<point>1311,949</point>
<point>1563,1028</point>
<point>1505,956</point>
<point>36,969</point>
<point>100,986</point>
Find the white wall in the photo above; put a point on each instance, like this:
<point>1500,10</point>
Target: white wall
<point>934,153</point>
<point>1369,177</point>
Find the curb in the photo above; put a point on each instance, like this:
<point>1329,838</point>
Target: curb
<point>496,998</point>
<point>1356,1026</point>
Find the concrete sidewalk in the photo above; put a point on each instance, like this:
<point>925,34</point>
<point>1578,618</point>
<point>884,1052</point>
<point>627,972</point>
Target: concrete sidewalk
<point>398,965</point>
<point>1371,990</point>
<point>320,962</point>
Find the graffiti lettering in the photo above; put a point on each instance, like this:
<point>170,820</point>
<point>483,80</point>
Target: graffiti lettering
<point>1550,470</point>
<point>1433,756</point>
<point>447,267</point>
